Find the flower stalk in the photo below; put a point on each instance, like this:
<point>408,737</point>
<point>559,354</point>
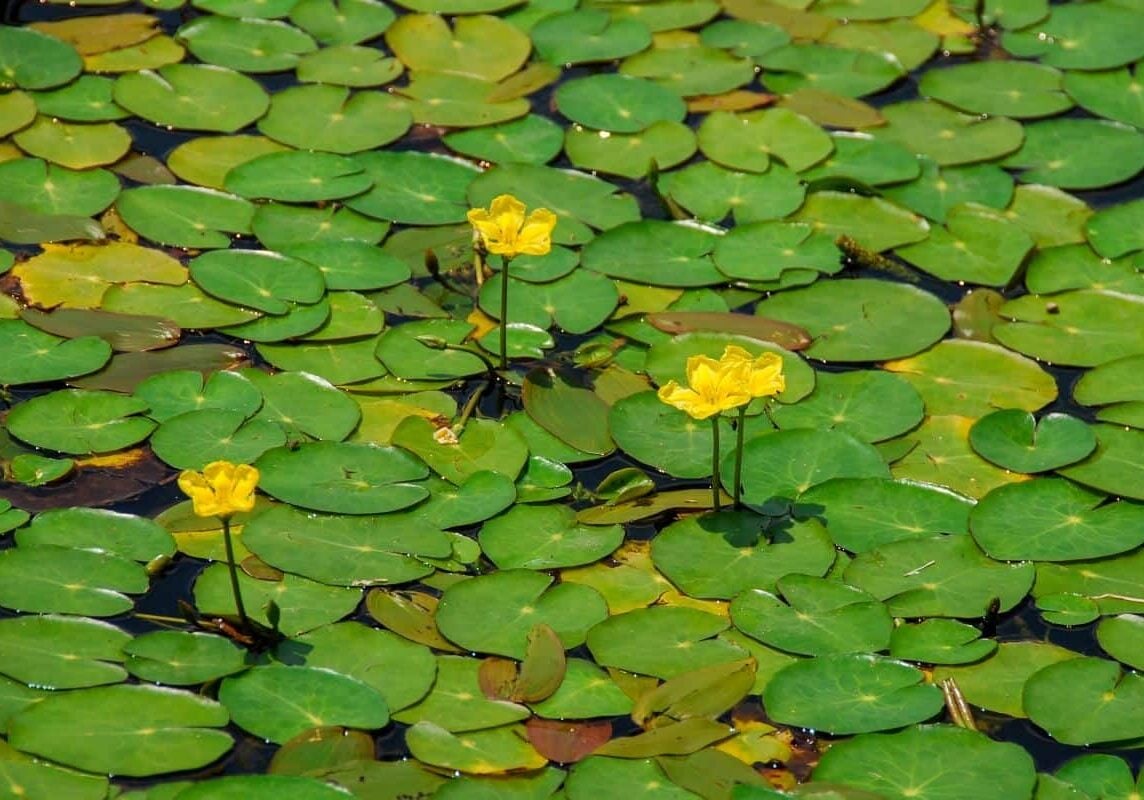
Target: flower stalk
<point>715,386</point>
<point>502,229</point>
<point>221,490</point>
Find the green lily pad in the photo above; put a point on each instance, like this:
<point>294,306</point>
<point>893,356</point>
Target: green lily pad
<point>258,279</point>
<point>618,103</point>
<point>343,478</point>
<point>38,778</point>
<point>185,216</point>
<point>124,535</point>
<point>173,393</point>
<point>1048,154</point>
<point>939,189</point>
<point>334,22</point>
<point>947,136</point>
<point>62,652</point>
<point>32,470</point>
<point>305,405</point>
<point>631,155</point>
<point>870,405</point>
<point>597,775</point>
<point>861,158</point>
<point>850,73</point>
<point>1120,637</point>
<point>996,682</point>
<point>348,65</point>
<point>587,35</point>
<point>50,189</point>
<point>1116,231</point>
<point>76,145</point>
<point>32,356</point>
<point>545,537</point>
<point>1112,382</point>
<point>1085,700</point>
<point>459,101</point>
<point>246,45</point>
<point>343,550</point>
<point>972,379</point>
<point>941,576</point>
<point>577,302</point>
<point>297,177</point>
<point>180,658</point>
<point>743,37</point>
<point>193,96</point>
<point>779,467</point>
<point>1108,93</point>
<point>820,617</point>
<point>656,252</point>
<point>456,702</point>
<point>493,613</point>
<point>401,671</point>
<point>748,141</point>
<point>763,251</point>
<point>690,68</point>
<point>931,762</point>
<point>1081,328</point>
<point>852,693</point>
<point>1076,266</point>
<point>977,245</point>
<point>573,414</point>
<point>1018,89</point>
<point>1059,521</point>
<point>17,110</point>
<point>414,188</point>
<point>710,192</point>
<point>51,578</point>
<point>278,702</point>
<point>282,227</point>
<point>1079,37</point>
<point>529,140</point>
<point>666,438</point>
<point>339,362</point>
<point>1015,440</point>
<point>300,605</point>
<point>664,641</point>
<point>864,513</point>
<point>483,445</point>
<point>721,555</point>
<point>1115,466</point>
<point>207,159</point>
<point>80,422</point>
<point>35,60</point>
<point>585,692</point>
<point>86,729</point>
<point>333,119</point>
<point>262,787</point>
<point>872,222</point>
<point>940,641</point>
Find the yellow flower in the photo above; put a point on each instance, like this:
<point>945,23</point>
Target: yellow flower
<point>221,489</point>
<point>505,231</point>
<point>715,386</point>
<point>764,374</point>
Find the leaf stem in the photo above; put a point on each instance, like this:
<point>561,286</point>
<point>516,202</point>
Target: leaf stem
<point>504,313</point>
<point>715,481</point>
<point>741,423</point>
<point>233,567</point>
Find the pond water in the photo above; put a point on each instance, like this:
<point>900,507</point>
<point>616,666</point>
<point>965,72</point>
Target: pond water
<point>236,230</point>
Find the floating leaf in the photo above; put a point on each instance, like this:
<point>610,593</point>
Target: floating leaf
<point>1014,440</point>
<point>80,422</point>
<point>86,729</point>
<point>278,702</point>
<point>194,96</point>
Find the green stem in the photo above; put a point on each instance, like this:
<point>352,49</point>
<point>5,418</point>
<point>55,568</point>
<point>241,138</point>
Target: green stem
<point>504,313</point>
<point>715,489</point>
<point>742,423</point>
<point>245,620</point>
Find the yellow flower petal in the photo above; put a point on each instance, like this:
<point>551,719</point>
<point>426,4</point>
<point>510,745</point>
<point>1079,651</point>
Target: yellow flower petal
<point>221,489</point>
<point>503,229</point>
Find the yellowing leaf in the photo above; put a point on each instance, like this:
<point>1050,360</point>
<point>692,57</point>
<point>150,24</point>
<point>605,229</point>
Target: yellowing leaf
<point>937,18</point>
<point>76,276</point>
<point>91,35</point>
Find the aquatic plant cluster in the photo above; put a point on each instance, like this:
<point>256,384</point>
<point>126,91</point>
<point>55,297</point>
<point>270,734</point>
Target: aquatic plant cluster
<point>476,398</point>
